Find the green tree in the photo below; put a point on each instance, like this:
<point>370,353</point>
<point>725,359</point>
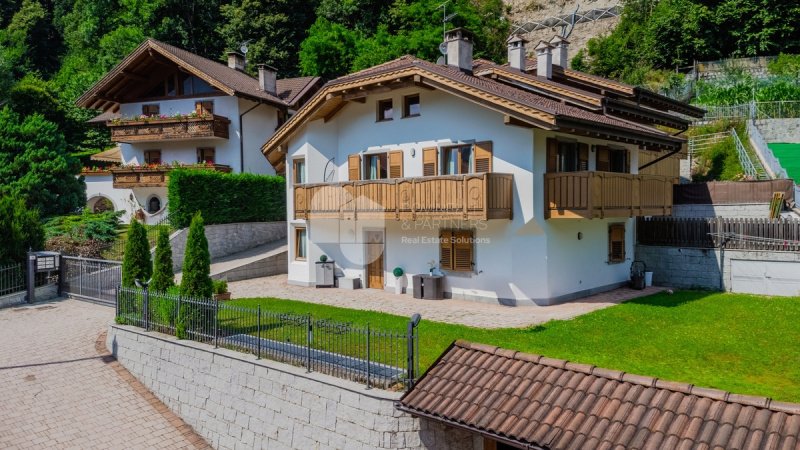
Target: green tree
<point>20,230</point>
<point>35,166</point>
<point>136,264</point>
<point>30,42</point>
<point>163,277</point>
<point>196,280</point>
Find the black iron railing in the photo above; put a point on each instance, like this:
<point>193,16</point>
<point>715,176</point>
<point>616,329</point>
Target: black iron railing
<point>12,279</point>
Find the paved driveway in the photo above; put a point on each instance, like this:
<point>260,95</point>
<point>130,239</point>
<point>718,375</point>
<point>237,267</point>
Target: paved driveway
<point>59,388</point>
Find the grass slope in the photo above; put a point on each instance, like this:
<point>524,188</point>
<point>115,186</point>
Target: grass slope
<point>740,343</point>
<point>789,157</point>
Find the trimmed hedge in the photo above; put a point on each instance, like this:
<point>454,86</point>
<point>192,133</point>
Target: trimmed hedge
<point>225,197</point>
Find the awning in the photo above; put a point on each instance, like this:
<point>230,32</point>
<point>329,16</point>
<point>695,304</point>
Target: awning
<point>111,155</point>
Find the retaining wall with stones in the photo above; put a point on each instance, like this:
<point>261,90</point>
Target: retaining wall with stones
<point>227,239</point>
<point>779,130</point>
<point>740,210</point>
<point>42,293</point>
<point>700,268</point>
<point>236,401</point>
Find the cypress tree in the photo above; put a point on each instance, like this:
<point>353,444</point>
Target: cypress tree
<point>136,263</point>
<point>163,277</point>
<point>196,281</point>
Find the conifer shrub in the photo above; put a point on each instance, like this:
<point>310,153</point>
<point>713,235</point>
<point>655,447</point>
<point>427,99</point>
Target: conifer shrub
<point>136,264</point>
<point>196,284</point>
<point>163,276</point>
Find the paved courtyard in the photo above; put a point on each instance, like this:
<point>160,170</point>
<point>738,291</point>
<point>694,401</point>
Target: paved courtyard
<point>463,312</point>
<point>59,388</point>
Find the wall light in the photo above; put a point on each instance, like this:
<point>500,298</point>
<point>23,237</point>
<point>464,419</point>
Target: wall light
<point>580,235</point>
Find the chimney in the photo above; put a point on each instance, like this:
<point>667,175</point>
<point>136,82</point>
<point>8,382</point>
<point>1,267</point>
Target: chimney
<point>544,60</point>
<point>459,49</point>
<point>561,57</point>
<point>236,61</point>
<point>516,52</point>
<point>268,79</point>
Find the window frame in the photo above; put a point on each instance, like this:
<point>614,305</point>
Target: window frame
<point>615,258</point>
<point>383,157</point>
<point>200,107</point>
<point>379,110</point>
<point>147,158</point>
<point>295,178</point>
<point>407,109</point>
<point>298,230</point>
<point>160,204</point>
<point>444,151</point>
<point>451,266</point>
<point>147,106</point>
<point>201,155</point>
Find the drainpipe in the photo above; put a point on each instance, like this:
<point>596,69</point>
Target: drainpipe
<point>241,136</point>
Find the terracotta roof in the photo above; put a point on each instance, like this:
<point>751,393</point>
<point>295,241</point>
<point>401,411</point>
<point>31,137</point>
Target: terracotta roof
<point>538,402</point>
<point>230,81</point>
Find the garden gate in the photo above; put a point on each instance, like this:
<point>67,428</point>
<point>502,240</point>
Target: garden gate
<point>95,280</point>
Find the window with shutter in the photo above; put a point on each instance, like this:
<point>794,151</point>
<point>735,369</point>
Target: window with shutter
<point>204,107</point>
<point>152,156</point>
<point>206,155</point>
<point>396,164</point>
<point>151,110</point>
<point>616,242</point>
<point>483,157</point>
<point>354,167</point>
<point>583,156</point>
<point>603,159</point>
<point>462,251</point>
<point>446,250</point>
<point>552,155</point>
<point>430,162</point>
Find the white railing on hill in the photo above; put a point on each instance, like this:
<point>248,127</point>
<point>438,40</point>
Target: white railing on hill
<point>789,109</point>
<point>770,162</point>
<point>700,143</point>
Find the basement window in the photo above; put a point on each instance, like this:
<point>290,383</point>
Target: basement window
<point>385,110</point>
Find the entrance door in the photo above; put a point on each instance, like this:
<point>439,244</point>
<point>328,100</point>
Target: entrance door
<point>374,255</point>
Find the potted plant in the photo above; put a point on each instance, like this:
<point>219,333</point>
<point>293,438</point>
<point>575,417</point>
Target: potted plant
<point>323,258</point>
<point>221,290</point>
<point>398,280</point>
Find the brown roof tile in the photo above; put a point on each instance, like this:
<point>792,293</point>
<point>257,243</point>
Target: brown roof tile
<point>557,405</point>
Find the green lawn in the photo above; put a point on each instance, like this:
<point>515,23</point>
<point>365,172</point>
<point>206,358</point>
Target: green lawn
<point>740,343</point>
<point>789,157</point>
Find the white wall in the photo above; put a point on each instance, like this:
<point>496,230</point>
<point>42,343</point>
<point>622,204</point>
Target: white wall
<point>103,186</point>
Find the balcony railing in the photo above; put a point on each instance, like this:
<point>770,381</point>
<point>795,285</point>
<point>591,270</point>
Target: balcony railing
<point>133,177</point>
<point>128,131</point>
<point>474,196</point>
<point>595,195</point>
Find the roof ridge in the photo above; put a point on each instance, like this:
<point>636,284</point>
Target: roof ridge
<point>642,380</point>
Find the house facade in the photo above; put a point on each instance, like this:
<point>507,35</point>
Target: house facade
<point>166,108</point>
<point>517,183</point>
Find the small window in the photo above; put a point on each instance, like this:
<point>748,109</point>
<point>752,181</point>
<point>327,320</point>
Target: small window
<point>567,156</point>
<point>151,110</point>
<point>152,156</point>
<point>411,106</point>
<point>376,166</point>
<point>154,205</point>
<point>299,171</point>
<point>616,243</point>
<point>456,250</point>
<point>204,107</point>
<point>385,110</point>
<point>206,155</point>
<point>458,160</point>
<point>300,251</point>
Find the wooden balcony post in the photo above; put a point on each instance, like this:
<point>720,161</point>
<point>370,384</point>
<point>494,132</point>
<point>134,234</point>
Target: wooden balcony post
<point>413,199</point>
<point>396,199</point>
<point>485,196</point>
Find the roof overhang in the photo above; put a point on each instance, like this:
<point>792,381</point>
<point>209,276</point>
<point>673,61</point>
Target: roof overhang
<point>646,140</point>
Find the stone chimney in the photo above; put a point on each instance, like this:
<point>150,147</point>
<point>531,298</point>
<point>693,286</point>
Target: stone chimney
<point>459,49</point>
<point>236,61</point>
<point>516,52</point>
<point>268,79</point>
<point>561,55</point>
<point>544,60</point>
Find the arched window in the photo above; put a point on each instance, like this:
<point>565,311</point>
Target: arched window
<point>153,205</point>
<point>102,205</point>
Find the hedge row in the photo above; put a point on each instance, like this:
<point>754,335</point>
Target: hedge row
<point>225,197</point>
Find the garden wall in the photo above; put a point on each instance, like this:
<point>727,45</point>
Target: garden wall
<point>740,210</point>
<point>227,239</point>
<point>779,130</point>
<point>234,400</point>
<point>43,293</point>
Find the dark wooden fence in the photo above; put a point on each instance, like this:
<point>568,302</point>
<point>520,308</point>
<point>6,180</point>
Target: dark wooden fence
<point>743,234</point>
<point>731,192</point>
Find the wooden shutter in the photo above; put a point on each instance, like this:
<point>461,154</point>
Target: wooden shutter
<point>583,156</point>
<point>603,159</point>
<point>396,164</point>
<point>483,157</point>
<point>462,251</point>
<point>446,250</point>
<point>430,162</point>
<point>354,167</point>
<point>552,155</point>
<point>616,242</point>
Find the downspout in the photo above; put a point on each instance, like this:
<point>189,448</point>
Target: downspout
<point>241,136</point>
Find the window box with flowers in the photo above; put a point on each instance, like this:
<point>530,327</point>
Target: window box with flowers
<point>163,127</point>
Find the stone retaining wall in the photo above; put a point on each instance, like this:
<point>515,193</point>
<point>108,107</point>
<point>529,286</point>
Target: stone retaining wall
<point>227,239</point>
<point>42,293</point>
<point>740,210</point>
<point>779,130</point>
<point>236,401</point>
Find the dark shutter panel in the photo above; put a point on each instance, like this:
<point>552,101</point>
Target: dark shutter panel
<point>616,242</point>
<point>430,162</point>
<point>462,251</point>
<point>396,164</point>
<point>354,167</point>
<point>552,155</point>
<point>446,250</point>
<point>583,156</point>
<point>603,159</point>
<point>483,157</point>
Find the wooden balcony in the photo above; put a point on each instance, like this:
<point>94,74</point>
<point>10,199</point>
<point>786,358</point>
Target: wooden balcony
<point>596,195</point>
<point>136,177</point>
<point>480,196</point>
<point>171,129</point>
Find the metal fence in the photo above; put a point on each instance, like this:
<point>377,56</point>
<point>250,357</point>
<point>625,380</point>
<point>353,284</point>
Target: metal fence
<point>730,233</point>
<point>789,109</point>
<point>386,359</point>
<point>92,279</point>
<point>700,143</point>
<point>771,163</point>
<point>12,279</point>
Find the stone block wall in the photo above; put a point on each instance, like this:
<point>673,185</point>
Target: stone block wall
<point>739,210</point>
<point>779,130</point>
<point>235,401</point>
<point>227,239</point>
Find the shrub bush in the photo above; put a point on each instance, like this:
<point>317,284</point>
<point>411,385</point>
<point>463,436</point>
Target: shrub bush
<point>220,286</point>
<point>20,230</point>
<point>225,197</point>
<point>163,276</point>
<point>136,264</point>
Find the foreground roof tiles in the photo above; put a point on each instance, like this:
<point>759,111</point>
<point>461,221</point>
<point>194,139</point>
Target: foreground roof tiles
<point>538,402</point>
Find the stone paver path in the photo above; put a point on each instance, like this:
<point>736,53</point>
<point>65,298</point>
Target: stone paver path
<point>59,387</point>
<point>464,312</point>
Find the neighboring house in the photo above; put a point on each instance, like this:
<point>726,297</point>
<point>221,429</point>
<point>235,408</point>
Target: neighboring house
<point>519,184</point>
<point>167,107</point>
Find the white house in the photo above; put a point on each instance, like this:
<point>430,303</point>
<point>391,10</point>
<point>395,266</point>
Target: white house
<point>518,183</point>
<point>167,107</point>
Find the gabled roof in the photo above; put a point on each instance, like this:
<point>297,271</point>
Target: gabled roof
<point>230,81</point>
<point>536,402</point>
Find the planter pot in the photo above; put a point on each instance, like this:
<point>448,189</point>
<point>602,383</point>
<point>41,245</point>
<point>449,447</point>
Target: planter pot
<point>398,286</point>
<point>223,296</point>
